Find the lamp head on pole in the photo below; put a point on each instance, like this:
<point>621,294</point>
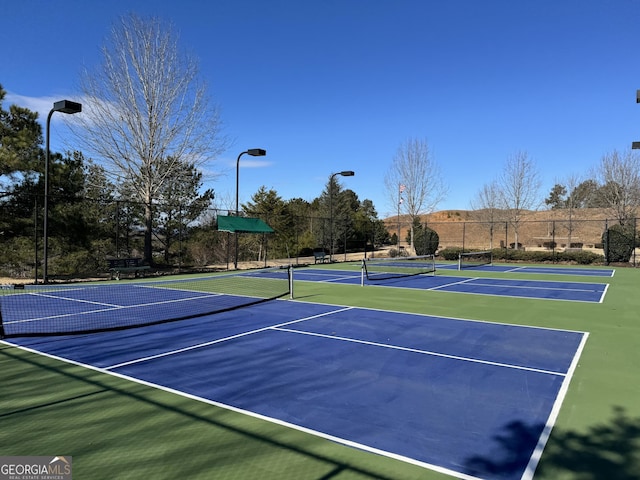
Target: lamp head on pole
<point>67,106</point>
<point>257,152</point>
<point>347,173</point>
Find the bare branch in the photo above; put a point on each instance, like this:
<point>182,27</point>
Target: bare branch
<point>487,203</point>
<point>146,103</point>
<point>147,115</point>
<point>416,170</point>
<point>618,175</point>
<point>519,185</point>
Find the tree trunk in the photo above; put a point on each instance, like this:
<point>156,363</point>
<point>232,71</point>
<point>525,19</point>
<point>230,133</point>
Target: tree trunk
<point>148,217</point>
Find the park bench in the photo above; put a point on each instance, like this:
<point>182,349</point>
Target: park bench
<point>319,255</point>
<point>125,265</point>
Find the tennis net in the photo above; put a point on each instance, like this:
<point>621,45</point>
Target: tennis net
<point>378,269</point>
<point>46,310</point>
<point>474,259</point>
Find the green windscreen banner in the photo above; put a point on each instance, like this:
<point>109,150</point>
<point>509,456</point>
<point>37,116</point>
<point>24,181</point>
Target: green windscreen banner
<point>242,225</point>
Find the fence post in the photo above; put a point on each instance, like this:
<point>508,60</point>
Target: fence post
<point>553,240</point>
<point>491,236</point>
<point>606,244</point>
<point>464,226</point>
<point>634,239</point>
<point>117,229</point>
<point>506,239</point>
<point>35,237</point>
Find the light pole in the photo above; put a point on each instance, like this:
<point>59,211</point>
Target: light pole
<point>345,173</point>
<point>254,152</point>
<point>64,106</point>
<point>636,145</point>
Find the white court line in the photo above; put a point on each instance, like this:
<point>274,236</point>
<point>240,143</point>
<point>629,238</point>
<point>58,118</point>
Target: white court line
<point>423,352</point>
<point>533,287</point>
<point>495,295</point>
<point>220,340</point>
<point>577,272</point>
<point>71,299</point>
<point>522,287</point>
<point>452,283</point>
<point>553,416</point>
<point>604,293</point>
<point>111,307</point>
<point>339,278</point>
<point>334,277</point>
<point>515,269</point>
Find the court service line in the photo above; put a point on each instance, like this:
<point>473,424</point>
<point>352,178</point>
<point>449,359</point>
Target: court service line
<point>220,340</point>
<point>451,284</point>
<point>482,282</point>
<point>338,279</point>
<point>423,352</point>
<point>515,269</point>
<point>75,300</point>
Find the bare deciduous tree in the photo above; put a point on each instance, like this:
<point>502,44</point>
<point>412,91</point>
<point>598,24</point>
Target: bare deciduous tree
<point>618,175</point>
<point>571,203</point>
<point>415,173</point>
<point>486,206</point>
<point>145,105</point>
<point>519,185</point>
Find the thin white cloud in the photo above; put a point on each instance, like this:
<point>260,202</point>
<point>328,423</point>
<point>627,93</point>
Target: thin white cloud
<point>254,163</point>
<point>246,162</point>
<point>42,105</point>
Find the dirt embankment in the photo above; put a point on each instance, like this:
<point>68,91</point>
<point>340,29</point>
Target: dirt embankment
<point>581,228</point>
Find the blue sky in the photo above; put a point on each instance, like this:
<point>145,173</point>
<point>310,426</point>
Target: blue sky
<point>335,85</point>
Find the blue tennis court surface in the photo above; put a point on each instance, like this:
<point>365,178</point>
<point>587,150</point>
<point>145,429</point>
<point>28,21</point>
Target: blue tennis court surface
<point>441,393</point>
<point>546,290</point>
<point>583,272</point>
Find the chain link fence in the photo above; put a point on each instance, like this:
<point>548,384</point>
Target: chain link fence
<point>83,234</point>
<point>601,236</point>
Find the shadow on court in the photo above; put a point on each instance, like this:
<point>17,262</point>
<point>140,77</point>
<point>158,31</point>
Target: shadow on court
<point>512,451</point>
<point>113,428</point>
<point>608,450</point>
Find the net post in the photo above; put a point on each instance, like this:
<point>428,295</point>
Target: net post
<point>290,277</point>
<point>362,272</point>
<point>1,322</point>
<point>460,261</point>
